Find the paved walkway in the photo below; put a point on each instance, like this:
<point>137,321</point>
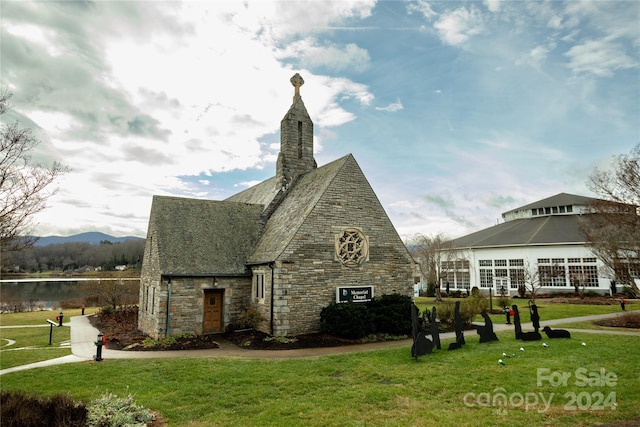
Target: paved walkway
<point>84,335</point>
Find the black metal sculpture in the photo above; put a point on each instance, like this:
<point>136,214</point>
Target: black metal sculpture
<point>458,326</point>
<point>535,317</point>
<point>486,332</point>
<point>434,328</point>
<point>517,327</point>
<point>556,333</point>
<point>527,336</point>
<point>421,345</point>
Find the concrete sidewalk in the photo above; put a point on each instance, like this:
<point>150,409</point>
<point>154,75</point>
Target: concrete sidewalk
<point>84,336</point>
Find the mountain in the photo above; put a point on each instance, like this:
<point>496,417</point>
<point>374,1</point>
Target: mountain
<point>92,237</point>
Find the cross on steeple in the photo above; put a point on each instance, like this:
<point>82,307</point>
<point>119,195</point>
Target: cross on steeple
<point>297,81</point>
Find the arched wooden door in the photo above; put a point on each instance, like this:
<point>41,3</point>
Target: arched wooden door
<point>212,311</point>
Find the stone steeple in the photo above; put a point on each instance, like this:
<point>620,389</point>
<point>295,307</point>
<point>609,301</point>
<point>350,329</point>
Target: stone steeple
<point>296,141</point>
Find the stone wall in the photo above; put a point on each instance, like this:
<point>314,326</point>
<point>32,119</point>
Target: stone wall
<point>151,290</point>
<point>308,273</point>
<point>186,304</point>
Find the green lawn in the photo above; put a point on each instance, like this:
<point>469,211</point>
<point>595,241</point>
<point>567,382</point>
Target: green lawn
<point>384,387</point>
<point>32,344</point>
<point>40,317</point>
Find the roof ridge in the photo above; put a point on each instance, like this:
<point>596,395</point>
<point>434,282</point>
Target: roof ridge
<point>338,164</point>
<point>537,230</point>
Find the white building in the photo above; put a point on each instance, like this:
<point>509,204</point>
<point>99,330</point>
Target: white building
<point>538,242</point>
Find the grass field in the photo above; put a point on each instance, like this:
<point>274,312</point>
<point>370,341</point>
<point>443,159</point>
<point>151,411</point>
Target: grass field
<point>564,384</point>
<point>32,343</point>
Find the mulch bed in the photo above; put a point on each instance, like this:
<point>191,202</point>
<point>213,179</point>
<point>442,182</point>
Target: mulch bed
<point>121,333</point>
<point>628,320</point>
<point>257,340</point>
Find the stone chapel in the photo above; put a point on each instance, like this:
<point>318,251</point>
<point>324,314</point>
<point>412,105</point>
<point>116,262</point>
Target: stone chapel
<point>288,246</point>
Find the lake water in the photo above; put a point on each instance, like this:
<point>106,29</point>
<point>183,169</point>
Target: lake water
<point>48,293</point>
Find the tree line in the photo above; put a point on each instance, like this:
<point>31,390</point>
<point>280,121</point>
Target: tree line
<point>76,255</point>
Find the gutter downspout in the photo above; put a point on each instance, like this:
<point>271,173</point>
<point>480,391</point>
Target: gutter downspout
<point>271,311</point>
<point>167,321</point>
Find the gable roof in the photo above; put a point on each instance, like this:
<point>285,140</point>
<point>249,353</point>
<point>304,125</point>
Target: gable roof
<point>298,202</point>
<point>260,194</point>
<point>203,237</point>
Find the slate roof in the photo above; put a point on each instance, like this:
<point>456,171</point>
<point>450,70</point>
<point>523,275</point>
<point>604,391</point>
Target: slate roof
<point>204,237</point>
<point>261,194</point>
<point>300,200</point>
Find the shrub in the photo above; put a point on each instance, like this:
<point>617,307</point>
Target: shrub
<point>107,310</point>
<point>113,411</point>
<point>346,320</point>
<point>164,342</point>
<point>503,301</point>
<point>388,314</point>
<point>391,314</point>
<point>281,340</point>
<point>469,308</point>
<point>20,410</point>
<point>249,318</point>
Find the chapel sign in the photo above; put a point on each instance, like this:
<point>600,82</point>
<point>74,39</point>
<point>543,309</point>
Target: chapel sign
<point>354,294</point>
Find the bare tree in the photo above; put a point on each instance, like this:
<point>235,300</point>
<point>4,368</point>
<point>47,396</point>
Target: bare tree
<point>531,283</point>
<point>613,227</point>
<point>437,259</point>
<point>116,292</point>
<point>24,186</point>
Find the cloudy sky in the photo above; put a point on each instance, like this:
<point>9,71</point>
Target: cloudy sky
<point>455,111</point>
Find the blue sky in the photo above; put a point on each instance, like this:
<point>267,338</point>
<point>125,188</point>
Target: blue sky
<point>455,111</point>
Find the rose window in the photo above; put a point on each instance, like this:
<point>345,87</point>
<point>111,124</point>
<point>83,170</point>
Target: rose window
<point>351,247</point>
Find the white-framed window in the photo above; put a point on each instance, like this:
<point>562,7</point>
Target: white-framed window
<point>552,275</point>
<point>583,275</point>
<point>464,280</point>
<point>486,278</point>
<point>517,277</point>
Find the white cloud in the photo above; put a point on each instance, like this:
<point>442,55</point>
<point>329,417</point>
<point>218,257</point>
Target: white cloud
<point>536,57</point>
<point>247,184</point>
<point>334,57</point>
<point>493,5</point>
<point>458,26</point>
<point>599,57</point>
<point>423,7</point>
<point>392,108</point>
